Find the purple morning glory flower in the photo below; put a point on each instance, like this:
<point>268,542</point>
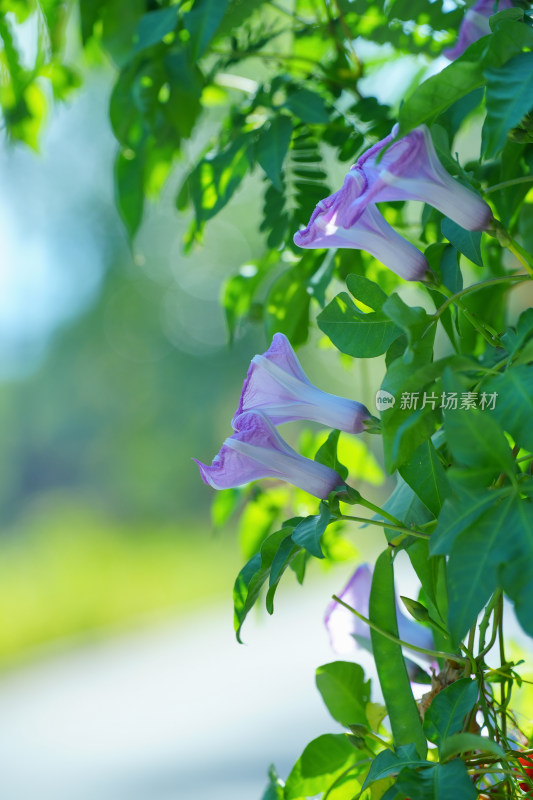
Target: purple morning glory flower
<point>343,626</point>
<point>475,24</point>
<point>277,385</point>
<point>410,170</point>
<point>256,450</point>
<point>333,224</point>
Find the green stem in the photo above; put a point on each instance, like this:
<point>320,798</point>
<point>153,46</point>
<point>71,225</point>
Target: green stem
<point>513,182</point>
<point>506,240</point>
<point>501,643</point>
<point>262,54</point>
<point>349,39</point>
<point>520,255</point>
<point>331,25</point>
<point>500,480</point>
<point>468,649</point>
<point>434,653</point>
<point>496,771</point>
<point>383,524</point>
<point>485,331</point>
<point>288,13</point>
<point>380,511</point>
<point>479,327</point>
<point>494,671</point>
<point>474,288</point>
<point>486,710</point>
<point>514,754</point>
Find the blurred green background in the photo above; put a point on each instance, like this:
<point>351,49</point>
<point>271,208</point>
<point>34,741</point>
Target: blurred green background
<point>115,371</point>
<point>113,363</point>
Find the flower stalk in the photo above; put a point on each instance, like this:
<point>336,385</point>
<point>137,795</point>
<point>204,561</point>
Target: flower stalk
<point>401,642</point>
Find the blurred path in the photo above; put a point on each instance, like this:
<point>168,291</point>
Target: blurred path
<point>177,712</point>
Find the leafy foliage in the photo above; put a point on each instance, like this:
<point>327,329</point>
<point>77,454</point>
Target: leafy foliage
<point>345,692</point>
<point>321,764</point>
<point>22,98</point>
<point>269,96</point>
<point>354,332</point>
<point>446,714</point>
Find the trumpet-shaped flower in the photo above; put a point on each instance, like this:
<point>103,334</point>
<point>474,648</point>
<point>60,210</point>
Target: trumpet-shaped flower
<point>333,224</point>
<point>256,450</point>
<point>410,170</point>
<point>346,631</point>
<point>277,385</point>
<point>475,24</point>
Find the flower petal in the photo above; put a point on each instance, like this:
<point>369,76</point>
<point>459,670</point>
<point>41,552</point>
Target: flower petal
<point>347,220</point>
<point>277,385</point>
<point>410,170</point>
<point>341,624</point>
<point>475,24</point>
<point>256,450</point>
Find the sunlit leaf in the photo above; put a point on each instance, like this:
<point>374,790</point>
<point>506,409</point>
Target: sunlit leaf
<point>322,761</point>
<point>252,577</point>
<point>344,691</point>
<point>354,332</point>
